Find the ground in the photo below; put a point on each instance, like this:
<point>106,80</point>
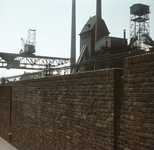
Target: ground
<point>5,145</point>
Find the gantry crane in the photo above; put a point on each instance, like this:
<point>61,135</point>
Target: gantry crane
<point>28,46</point>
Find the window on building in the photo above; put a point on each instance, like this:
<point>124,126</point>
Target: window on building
<point>87,26</point>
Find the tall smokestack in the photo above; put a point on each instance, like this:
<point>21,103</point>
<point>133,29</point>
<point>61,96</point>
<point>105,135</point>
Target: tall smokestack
<point>73,35</point>
<point>98,27</point>
<point>124,40</point>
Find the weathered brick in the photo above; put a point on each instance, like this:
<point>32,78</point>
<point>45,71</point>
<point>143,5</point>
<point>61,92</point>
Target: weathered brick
<point>138,114</point>
<point>148,115</point>
<point>148,125</point>
<point>151,147</point>
<point>81,107</point>
<point>138,144</point>
<point>138,88</point>
<point>144,135</point>
<point>151,121</point>
<point>64,111</point>
<point>131,137</point>
<point>151,142</point>
<point>150,110</point>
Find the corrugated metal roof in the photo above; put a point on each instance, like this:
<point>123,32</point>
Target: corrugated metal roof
<point>90,25</point>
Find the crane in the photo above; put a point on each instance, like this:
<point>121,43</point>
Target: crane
<point>28,46</point>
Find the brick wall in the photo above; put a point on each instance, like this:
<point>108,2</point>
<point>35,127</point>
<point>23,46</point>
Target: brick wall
<point>90,110</point>
<point>137,111</point>
<point>65,112</point>
<point>5,110</point>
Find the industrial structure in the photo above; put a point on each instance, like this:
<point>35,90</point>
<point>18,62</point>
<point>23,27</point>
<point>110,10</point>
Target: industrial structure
<point>26,59</point>
<point>28,46</point>
<point>73,36</point>
<point>98,50</point>
<point>140,27</point>
<point>95,42</point>
<point>30,62</point>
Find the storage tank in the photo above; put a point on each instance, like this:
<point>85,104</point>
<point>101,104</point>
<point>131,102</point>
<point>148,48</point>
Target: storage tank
<point>139,9</point>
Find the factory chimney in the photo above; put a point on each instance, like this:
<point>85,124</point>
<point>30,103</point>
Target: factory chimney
<point>98,26</point>
<point>73,35</point>
<point>124,40</point>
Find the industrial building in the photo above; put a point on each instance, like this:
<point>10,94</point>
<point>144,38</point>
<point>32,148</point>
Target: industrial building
<point>98,109</point>
<point>95,41</point>
<point>98,50</point>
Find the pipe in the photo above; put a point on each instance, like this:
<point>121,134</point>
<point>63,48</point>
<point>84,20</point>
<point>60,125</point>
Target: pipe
<point>124,40</point>
<point>73,35</point>
<point>124,34</point>
<point>98,27</point>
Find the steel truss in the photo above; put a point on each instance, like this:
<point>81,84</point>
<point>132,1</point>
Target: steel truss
<point>33,62</point>
<point>36,75</point>
<point>139,25</point>
<point>95,63</point>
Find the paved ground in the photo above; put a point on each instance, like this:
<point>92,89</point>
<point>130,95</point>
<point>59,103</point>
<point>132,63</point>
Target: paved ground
<point>5,145</point>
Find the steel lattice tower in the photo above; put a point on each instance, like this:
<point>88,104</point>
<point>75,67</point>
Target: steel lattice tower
<point>139,25</point>
<point>31,37</point>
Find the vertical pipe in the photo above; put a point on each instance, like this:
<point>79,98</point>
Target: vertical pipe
<point>98,29</point>
<point>10,93</point>
<point>124,40</point>
<point>73,35</point>
<point>124,34</point>
<point>98,9</point>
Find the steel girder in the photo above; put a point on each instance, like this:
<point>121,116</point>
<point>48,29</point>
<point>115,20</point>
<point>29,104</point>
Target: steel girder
<point>33,62</point>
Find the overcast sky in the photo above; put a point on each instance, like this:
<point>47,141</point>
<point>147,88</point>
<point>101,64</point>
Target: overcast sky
<point>52,20</point>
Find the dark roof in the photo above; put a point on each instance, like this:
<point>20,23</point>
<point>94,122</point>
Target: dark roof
<point>90,25</point>
<point>91,22</point>
<point>139,9</point>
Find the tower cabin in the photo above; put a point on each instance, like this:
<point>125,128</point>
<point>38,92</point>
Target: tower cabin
<point>94,29</point>
<point>87,35</point>
<point>95,41</point>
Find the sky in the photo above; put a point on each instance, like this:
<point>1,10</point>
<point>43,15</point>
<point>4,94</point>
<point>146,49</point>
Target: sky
<point>52,20</point>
